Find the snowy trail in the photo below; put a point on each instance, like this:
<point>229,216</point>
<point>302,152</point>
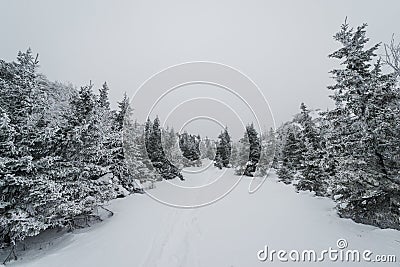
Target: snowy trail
<point>171,244</point>
<point>230,232</point>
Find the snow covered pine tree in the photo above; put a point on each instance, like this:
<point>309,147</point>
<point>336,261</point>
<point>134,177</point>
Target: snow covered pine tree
<point>224,147</point>
<point>189,145</point>
<point>364,133</point>
<point>156,152</point>
<point>313,175</point>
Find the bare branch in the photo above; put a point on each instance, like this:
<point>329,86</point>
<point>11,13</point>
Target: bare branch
<point>392,55</point>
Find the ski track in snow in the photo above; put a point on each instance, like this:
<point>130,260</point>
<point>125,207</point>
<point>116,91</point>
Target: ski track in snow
<point>172,243</point>
<point>171,231</point>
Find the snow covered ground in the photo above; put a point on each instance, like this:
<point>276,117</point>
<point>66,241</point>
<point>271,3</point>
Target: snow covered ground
<point>230,232</point>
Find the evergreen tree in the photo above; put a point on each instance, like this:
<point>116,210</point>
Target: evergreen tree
<point>33,198</point>
<point>242,159</point>
<point>293,149</point>
<point>120,137</point>
<point>20,156</point>
<point>224,148</point>
<point>169,140</point>
<point>189,145</point>
<point>103,96</point>
<point>123,109</point>
<point>209,150</point>
<point>234,155</point>
<point>313,176</point>
<point>156,152</point>
<point>138,165</point>
<point>7,136</point>
<point>268,149</point>
<point>291,154</point>
<point>366,102</point>
<point>255,150</point>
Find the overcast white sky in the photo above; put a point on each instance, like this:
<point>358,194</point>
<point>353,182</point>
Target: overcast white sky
<point>282,45</point>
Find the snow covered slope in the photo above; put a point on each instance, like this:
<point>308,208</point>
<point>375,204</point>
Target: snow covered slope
<point>230,232</point>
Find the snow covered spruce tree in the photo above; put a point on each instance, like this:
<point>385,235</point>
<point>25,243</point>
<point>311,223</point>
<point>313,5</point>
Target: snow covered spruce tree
<point>268,150</point>
<point>155,151</point>
<point>255,150</point>
<point>364,133</point>
<point>235,154</point>
<point>170,143</point>
<point>313,176</point>
<point>29,199</point>
<point>169,138</point>
<point>248,152</point>
<point>135,166</point>
<point>209,149</point>
<point>224,148</point>
<point>32,198</point>
<point>291,151</point>
<point>189,145</point>
<point>124,152</point>
<point>111,151</point>
<point>241,153</point>
<point>85,150</point>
